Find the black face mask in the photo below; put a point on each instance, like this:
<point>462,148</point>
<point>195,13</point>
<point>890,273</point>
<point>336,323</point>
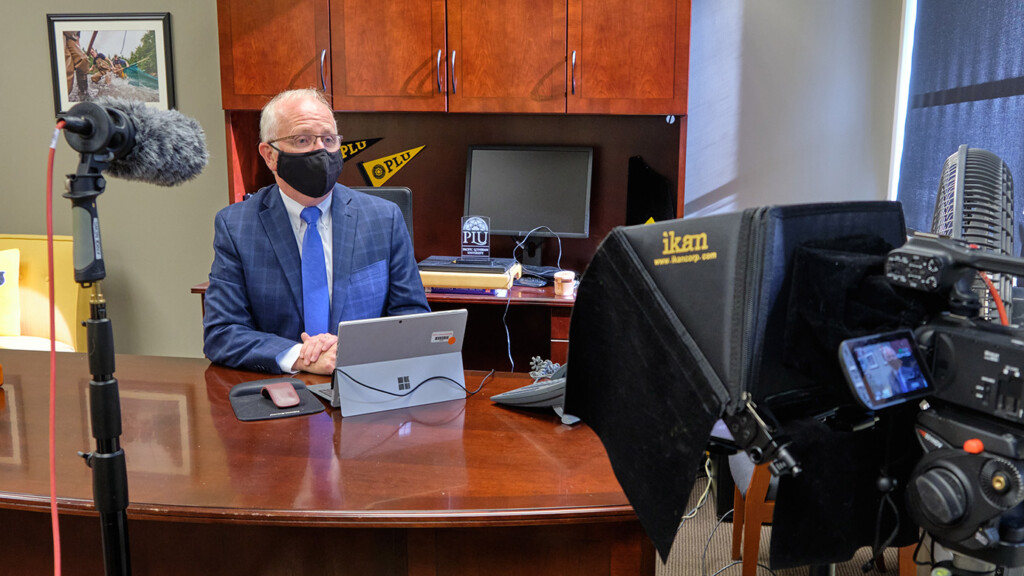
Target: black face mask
<point>311,173</point>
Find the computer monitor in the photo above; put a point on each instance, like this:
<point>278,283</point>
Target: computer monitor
<point>524,187</point>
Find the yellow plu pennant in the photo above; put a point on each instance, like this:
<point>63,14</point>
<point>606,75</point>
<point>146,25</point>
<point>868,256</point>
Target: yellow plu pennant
<point>378,171</point>
<point>351,148</point>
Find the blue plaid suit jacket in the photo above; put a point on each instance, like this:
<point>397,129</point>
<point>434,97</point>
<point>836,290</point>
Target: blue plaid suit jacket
<point>254,301</point>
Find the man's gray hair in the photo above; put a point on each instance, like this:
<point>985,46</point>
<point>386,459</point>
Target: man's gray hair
<point>269,119</point>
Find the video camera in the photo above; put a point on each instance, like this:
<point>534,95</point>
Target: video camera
<point>968,488</point>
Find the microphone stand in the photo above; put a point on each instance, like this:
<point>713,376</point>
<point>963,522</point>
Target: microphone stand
<point>109,471</point>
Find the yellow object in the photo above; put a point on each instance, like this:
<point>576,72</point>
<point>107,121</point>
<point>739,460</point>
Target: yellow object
<point>71,300</point>
<point>378,171</point>
<point>471,280</point>
<point>10,298</point>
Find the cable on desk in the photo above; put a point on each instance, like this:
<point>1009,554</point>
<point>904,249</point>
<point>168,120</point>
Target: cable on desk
<point>521,244</point>
<point>416,387</point>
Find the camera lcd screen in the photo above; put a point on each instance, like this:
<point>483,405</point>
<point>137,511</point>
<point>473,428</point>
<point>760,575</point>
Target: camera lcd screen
<point>884,369</point>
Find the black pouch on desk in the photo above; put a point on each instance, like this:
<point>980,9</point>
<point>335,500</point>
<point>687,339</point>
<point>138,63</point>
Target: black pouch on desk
<point>674,321</point>
<point>249,403</point>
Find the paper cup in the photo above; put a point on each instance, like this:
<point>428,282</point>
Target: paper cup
<point>564,281</point>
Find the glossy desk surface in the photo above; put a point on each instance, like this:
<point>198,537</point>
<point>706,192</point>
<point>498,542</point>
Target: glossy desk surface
<point>460,463</point>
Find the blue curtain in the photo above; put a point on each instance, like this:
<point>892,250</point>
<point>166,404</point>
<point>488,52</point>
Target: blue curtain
<point>966,87</point>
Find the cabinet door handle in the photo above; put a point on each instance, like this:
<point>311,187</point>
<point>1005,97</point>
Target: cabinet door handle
<point>455,82</point>
<point>574,72</point>
<point>323,83</point>
<point>437,72</point>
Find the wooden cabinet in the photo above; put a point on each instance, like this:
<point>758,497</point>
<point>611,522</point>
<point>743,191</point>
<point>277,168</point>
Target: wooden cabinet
<point>628,57</point>
<point>267,46</point>
<point>580,56</point>
<point>529,56</point>
<point>389,55</point>
<point>507,56</point>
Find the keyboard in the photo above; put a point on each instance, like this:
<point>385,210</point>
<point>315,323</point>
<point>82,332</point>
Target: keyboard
<point>537,395</point>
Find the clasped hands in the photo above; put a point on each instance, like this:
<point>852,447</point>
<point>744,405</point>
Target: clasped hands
<point>318,354</point>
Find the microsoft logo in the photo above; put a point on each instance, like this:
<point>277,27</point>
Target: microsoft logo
<point>403,383</point>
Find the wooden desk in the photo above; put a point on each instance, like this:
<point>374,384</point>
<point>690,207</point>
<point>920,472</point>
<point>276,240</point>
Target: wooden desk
<point>542,318</point>
<point>462,487</point>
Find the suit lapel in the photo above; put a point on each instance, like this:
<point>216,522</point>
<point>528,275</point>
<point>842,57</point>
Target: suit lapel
<point>344,219</point>
<point>274,218</point>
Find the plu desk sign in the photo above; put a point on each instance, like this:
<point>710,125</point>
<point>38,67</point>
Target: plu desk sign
<point>476,237</point>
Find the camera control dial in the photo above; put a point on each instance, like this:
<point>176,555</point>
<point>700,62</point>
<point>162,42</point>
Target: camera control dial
<point>943,496</point>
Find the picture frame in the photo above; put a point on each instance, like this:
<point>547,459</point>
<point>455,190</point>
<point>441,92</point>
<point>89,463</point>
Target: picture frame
<point>116,55</point>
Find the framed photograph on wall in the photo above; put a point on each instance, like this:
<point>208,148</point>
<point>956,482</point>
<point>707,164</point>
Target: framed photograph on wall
<point>117,55</point>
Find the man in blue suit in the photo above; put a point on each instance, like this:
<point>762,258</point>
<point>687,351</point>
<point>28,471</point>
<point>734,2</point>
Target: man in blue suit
<point>258,315</point>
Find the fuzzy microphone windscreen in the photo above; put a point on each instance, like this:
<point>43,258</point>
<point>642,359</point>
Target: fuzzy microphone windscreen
<point>170,148</point>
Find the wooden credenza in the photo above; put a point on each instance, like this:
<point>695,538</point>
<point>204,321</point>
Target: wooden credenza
<point>460,487</point>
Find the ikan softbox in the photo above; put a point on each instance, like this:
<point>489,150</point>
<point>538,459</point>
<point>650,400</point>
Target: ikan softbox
<point>679,323</point>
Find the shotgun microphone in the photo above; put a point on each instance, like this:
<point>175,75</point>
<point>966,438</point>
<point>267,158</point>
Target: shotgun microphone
<point>162,147</point>
<point>128,140</point>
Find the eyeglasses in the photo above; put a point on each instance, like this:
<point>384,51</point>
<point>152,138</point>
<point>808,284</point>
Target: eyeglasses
<point>305,142</point>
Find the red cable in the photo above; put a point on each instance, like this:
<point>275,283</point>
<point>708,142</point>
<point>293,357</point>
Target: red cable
<point>54,519</point>
<point>995,296</point>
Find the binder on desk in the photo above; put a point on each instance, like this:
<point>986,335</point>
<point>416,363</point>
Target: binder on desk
<point>499,292</point>
<point>432,279</point>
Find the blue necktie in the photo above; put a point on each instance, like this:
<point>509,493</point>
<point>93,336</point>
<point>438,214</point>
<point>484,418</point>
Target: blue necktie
<point>316,304</point>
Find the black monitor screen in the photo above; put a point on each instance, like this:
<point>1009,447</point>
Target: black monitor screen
<point>523,187</point>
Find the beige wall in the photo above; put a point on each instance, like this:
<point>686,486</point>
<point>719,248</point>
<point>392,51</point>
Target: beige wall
<point>157,241</point>
<point>792,101</point>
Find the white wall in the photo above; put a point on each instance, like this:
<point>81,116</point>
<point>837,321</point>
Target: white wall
<point>791,101</point>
